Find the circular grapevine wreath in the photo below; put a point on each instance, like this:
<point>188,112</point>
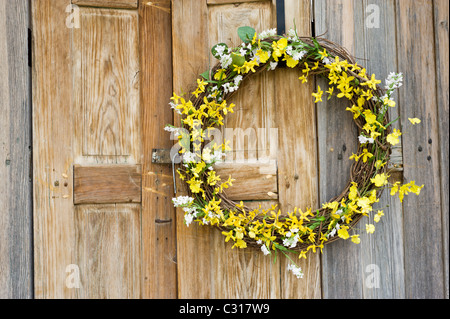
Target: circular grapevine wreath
<point>269,229</point>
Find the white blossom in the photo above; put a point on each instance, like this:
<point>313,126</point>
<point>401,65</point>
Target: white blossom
<point>220,49</point>
<point>273,66</point>
<point>182,201</point>
<point>265,250</point>
<point>297,271</point>
<point>225,61</point>
<point>190,157</point>
<point>238,80</point>
<point>268,33</point>
<point>326,61</point>
<point>297,56</point>
<point>188,218</point>
<point>365,140</point>
<point>394,81</point>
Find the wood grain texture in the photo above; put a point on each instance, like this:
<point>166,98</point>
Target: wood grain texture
<point>16,261</point>
<point>233,1</point>
<point>110,184</point>
<point>374,50</point>
<point>107,84</point>
<point>254,181</point>
<point>193,243</point>
<point>107,241</point>
<point>340,260</point>
<point>424,265</point>
<point>248,275</point>
<point>297,154</point>
<point>441,12</point>
<point>127,4</point>
<point>159,269</point>
<point>52,149</point>
<point>102,241</point>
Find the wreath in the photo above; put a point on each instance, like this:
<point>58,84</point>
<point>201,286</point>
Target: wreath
<point>271,230</point>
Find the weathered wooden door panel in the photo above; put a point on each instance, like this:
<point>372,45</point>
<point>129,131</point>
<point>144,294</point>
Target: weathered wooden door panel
<point>87,144</point>
<point>268,105</point>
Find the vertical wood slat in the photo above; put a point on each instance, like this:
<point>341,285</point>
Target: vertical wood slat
<point>237,273</point>
<point>52,148</point>
<point>423,228</point>
<point>383,251</point>
<point>441,12</point>
<point>15,156</point>
<point>223,280</point>
<point>341,259</point>
<point>297,154</point>
<point>194,280</point>
<point>159,276</point>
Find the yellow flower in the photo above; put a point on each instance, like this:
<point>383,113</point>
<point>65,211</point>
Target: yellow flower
<point>263,55</point>
<point>366,155</point>
<point>370,229</point>
<point>389,102</point>
<point>343,233</point>
<point>356,110</point>
<point>279,48</point>
<point>353,191</point>
<point>200,88</point>
<point>380,180</point>
<point>318,95</point>
<point>379,164</point>
<point>195,185</point>
<point>303,78</point>
<point>372,83</point>
<point>323,54</point>
<point>356,239</point>
<point>212,178</point>
<point>240,244</point>
<point>220,75</point>
<point>394,138</point>
<point>414,121</point>
<point>378,216</point>
<point>330,92</point>
<point>290,62</point>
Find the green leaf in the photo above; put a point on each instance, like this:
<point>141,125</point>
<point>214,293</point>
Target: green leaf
<point>246,33</point>
<point>237,59</point>
<point>206,75</point>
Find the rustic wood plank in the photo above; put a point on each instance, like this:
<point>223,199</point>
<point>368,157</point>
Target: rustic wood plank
<point>52,149</point>
<point>127,4</point>
<point>297,154</point>
<point>159,273</point>
<point>15,140</point>
<point>341,260</point>
<point>441,11</point>
<point>194,274</point>
<point>232,1</point>
<point>107,184</point>
<point>374,50</point>
<point>424,265</point>
<point>108,251</point>
<point>248,129</point>
<point>254,181</point>
<point>107,86</point>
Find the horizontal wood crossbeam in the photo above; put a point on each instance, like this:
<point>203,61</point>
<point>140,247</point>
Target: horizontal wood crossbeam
<point>120,4</point>
<point>107,184</point>
<point>253,181</point>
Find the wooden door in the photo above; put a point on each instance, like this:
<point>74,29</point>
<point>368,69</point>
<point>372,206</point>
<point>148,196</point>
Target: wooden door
<point>103,221</point>
<point>207,267</point>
